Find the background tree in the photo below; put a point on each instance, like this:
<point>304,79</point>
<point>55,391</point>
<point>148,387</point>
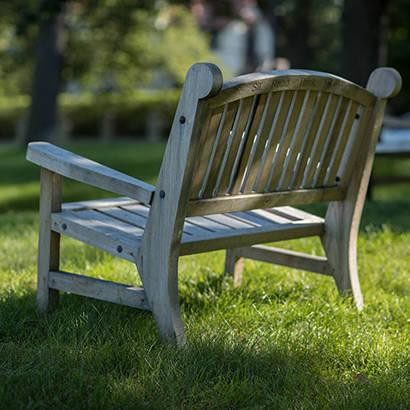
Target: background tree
<point>398,44</point>
<point>365,28</point>
<point>294,31</point>
<point>46,79</point>
<point>308,33</point>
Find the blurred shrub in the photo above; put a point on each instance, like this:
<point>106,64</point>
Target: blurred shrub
<point>12,110</point>
<point>83,114</point>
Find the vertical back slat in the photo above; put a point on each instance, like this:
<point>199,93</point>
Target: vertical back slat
<point>262,142</point>
<point>276,131</point>
<point>243,163</point>
<point>341,144</point>
<point>331,142</point>
<point>325,122</point>
<point>310,139</point>
<point>214,144</point>
<point>227,149</point>
<point>296,144</point>
<point>219,150</point>
<point>286,139</point>
<point>255,144</point>
<point>349,157</point>
<point>207,140</point>
<point>238,158</point>
<point>240,132</point>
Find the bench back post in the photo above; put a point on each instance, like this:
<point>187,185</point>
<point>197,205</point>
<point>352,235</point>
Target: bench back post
<point>162,235</point>
<point>343,217</point>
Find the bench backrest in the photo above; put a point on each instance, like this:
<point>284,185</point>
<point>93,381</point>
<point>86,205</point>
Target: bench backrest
<point>271,138</point>
<point>266,139</point>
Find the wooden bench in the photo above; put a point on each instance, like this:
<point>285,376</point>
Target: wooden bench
<point>240,154</point>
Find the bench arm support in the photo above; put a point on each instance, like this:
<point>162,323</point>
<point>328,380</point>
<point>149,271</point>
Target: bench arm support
<point>81,169</point>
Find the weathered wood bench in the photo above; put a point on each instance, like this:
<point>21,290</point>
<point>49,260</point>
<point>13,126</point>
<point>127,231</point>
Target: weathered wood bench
<point>239,156</point>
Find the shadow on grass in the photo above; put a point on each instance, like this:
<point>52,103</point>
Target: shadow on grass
<point>92,354</point>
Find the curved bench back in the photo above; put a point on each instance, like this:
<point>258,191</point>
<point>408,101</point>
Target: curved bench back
<point>292,132</point>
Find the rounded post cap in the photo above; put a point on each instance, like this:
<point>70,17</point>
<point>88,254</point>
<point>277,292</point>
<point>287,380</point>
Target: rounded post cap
<point>205,78</point>
<point>384,82</point>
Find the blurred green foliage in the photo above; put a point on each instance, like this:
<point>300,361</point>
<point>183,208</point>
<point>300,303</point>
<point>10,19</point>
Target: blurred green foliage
<point>399,50</point>
<point>111,48</point>
<point>113,45</point>
<point>83,112</point>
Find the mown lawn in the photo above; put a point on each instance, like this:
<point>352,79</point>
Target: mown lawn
<point>282,340</point>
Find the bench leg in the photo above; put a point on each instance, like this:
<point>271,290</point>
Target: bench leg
<point>160,282</point>
<point>234,266</point>
<point>48,242</point>
<point>340,245</point>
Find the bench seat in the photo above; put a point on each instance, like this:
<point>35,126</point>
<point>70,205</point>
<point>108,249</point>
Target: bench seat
<point>116,226</point>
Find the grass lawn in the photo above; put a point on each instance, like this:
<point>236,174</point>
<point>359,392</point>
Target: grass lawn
<point>282,340</point>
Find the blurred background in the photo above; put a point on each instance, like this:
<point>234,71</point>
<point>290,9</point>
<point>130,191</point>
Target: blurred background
<point>111,69</point>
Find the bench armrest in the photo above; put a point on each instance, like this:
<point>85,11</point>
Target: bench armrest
<point>81,169</point>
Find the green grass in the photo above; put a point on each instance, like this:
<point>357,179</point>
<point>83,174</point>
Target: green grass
<point>283,339</point>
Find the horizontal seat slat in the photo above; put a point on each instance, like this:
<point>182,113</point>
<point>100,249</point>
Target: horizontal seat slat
<point>229,221</point>
<point>139,209</point>
<point>250,236</point>
<point>274,218</point>
<point>125,216</point>
<point>251,217</point>
<point>208,224</point>
<point>85,231</point>
<point>192,229</point>
<point>293,213</point>
<point>104,223</point>
<point>98,203</point>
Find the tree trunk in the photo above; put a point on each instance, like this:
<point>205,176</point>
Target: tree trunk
<point>364,38</point>
<point>299,51</point>
<point>46,80</point>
